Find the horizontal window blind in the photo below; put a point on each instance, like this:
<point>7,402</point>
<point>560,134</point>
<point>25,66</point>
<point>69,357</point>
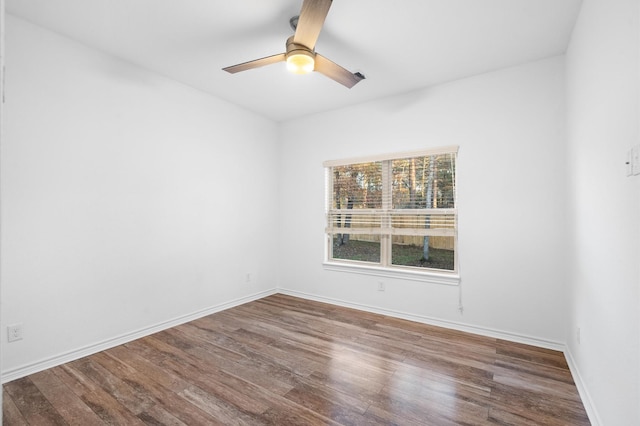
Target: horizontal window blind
<point>392,156</point>
<point>440,222</point>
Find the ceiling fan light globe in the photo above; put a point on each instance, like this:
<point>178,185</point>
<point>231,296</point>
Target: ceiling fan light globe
<point>300,63</point>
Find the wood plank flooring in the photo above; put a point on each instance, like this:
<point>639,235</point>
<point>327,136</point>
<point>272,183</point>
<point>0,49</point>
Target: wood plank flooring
<point>287,361</point>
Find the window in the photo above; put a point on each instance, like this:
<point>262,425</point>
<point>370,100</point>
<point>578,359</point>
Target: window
<point>393,214</point>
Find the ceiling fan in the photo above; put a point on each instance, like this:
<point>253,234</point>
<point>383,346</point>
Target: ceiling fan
<point>300,54</point>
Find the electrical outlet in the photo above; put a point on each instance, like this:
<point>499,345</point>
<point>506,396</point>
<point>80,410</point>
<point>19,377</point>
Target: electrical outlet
<point>629,162</point>
<point>578,335</point>
<point>247,277</point>
<point>635,159</point>
<point>14,332</point>
<point>380,286</point>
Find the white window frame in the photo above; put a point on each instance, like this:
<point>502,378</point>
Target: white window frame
<point>385,269</point>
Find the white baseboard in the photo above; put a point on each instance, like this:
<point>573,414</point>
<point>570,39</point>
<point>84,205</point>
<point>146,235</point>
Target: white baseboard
<point>25,370</point>
<point>482,331</point>
<point>589,406</point>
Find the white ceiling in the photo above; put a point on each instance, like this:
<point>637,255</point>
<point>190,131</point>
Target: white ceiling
<point>399,45</point>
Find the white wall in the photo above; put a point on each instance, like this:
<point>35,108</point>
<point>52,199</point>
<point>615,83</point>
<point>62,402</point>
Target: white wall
<point>2,26</point>
<point>602,99</point>
<point>125,199</point>
<point>510,127</point>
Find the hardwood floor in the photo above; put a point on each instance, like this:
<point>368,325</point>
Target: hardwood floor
<point>287,361</point>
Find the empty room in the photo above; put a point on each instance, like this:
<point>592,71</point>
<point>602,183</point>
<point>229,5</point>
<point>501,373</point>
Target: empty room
<point>310,212</point>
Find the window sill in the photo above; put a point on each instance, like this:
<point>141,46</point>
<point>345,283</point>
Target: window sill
<point>404,274</point>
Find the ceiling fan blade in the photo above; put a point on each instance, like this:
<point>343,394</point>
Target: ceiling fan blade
<point>280,57</point>
<point>310,22</point>
<point>336,72</point>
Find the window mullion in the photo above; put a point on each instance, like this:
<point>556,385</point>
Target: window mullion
<point>385,238</point>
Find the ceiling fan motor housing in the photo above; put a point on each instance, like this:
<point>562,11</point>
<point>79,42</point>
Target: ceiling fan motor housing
<point>298,49</point>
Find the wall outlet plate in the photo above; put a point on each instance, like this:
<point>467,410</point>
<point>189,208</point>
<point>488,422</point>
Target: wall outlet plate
<point>629,162</point>
<point>14,332</point>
